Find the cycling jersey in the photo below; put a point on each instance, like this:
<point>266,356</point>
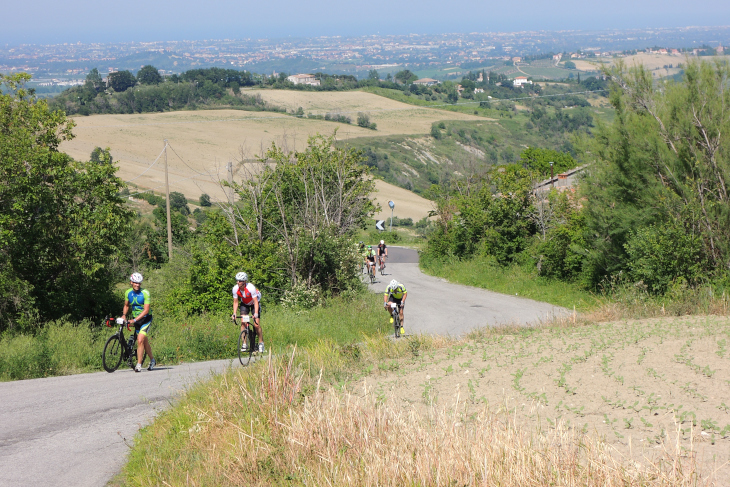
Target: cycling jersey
<point>137,300</point>
<point>397,293</point>
<point>246,295</point>
<point>381,249</point>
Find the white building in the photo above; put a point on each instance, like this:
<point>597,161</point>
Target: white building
<point>303,79</point>
<point>521,80</point>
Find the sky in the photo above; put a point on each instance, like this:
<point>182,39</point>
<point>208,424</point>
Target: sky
<point>51,22</point>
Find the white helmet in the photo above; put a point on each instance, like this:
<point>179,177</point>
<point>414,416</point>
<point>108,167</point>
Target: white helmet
<point>393,284</point>
<point>382,242</point>
<point>242,276</point>
<point>136,277</point>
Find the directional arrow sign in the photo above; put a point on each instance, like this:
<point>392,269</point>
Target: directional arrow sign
<point>379,224</point>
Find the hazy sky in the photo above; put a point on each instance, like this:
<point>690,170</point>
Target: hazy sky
<point>45,21</point>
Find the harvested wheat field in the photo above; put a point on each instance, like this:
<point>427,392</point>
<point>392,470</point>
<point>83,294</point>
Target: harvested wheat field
<point>392,117</point>
<point>407,203</point>
<point>653,390</point>
<point>202,142</point>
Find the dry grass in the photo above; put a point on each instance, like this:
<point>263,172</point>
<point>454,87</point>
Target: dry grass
<point>205,141</point>
<point>256,427</point>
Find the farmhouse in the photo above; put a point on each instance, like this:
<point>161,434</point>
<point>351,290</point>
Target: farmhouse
<point>521,80</point>
<point>426,82</point>
<point>303,79</point>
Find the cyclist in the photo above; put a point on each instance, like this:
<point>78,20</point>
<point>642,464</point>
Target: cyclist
<point>249,298</point>
<point>139,301</point>
<point>370,258</point>
<point>396,293</point>
<point>382,254</point>
<point>362,251</point>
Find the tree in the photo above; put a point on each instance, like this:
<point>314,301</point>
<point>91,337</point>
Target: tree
<point>569,65</point>
<point>99,155</point>
<point>373,75</point>
<point>121,80</point>
<point>664,162</point>
<point>149,75</point>
<point>62,222</point>
<point>405,76</point>
<point>204,200</point>
<point>539,160</point>
<point>94,79</point>
<point>307,203</point>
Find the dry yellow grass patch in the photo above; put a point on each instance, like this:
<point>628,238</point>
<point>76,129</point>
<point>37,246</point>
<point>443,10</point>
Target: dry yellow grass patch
<point>392,117</point>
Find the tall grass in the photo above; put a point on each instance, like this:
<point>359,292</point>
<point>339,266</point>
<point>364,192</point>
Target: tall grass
<point>63,348</point>
<point>515,280</point>
<point>286,422</point>
<point>618,300</point>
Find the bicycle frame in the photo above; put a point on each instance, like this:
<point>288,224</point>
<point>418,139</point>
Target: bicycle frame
<point>128,346</point>
<point>249,336</point>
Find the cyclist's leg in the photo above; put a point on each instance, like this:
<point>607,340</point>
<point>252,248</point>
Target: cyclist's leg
<point>145,342</point>
<point>257,325</point>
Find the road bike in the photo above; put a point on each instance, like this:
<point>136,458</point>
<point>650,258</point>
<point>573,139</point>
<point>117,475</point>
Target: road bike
<point>371,273</point>
<point>381,262</point>
<point>395,313</point>
<point>117,349</point>
<point>248,340</point>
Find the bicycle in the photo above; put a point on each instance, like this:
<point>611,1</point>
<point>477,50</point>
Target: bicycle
<point>381,261</point>
<point>249,338</point>
<point>371,273</point>
<point>117,348</point>
<point>395,313</point>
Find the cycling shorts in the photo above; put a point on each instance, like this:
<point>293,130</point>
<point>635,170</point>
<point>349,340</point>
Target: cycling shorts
<point>393,299</point>
<point>143,327</point>
<point>371,258</point>
<point>248,309</point>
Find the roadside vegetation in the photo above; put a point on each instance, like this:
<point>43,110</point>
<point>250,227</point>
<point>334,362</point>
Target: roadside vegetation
<point>646,218</point>
<point>644,234</point>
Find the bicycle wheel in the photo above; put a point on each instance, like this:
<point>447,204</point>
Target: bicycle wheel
<point>132,353</point>
<point>396,322</point>
<point>244,339</point>
<point>254,343</point>
<point>372,274</point>
<point>112,356</point>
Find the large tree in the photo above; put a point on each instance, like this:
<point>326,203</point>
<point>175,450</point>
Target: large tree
<point>62,223</point>
<point>663,164</point>
<point>122,80</point>
<point>149,75</point>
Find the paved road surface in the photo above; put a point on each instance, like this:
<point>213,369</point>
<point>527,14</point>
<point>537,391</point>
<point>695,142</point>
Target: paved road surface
<point>435,306</point>
<point>75,430</point>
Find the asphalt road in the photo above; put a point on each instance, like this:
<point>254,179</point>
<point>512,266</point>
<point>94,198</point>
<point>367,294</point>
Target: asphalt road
<point>76,430</point>
<point>435,306</point>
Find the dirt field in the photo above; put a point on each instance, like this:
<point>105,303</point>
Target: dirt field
<point>407,204</point>
<point>653,62</point>
<point>392,117</point>
<point>202,142</point>
<point>642,386</point>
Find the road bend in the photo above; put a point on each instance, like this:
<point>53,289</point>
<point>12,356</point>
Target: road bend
<point>77,430</point>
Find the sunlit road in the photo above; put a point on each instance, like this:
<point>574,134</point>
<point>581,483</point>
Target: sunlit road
<point>435,306</point>
<point>76,430</point>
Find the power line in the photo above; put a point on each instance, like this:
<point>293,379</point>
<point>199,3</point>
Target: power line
<point>155,161</point>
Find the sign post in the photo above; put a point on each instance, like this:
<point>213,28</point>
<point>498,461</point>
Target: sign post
<point>392,205</point>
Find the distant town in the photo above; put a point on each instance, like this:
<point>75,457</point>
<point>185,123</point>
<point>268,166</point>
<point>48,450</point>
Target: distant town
<point>432,56</point>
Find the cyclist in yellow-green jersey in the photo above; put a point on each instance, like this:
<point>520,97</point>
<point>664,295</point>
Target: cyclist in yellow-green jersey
<point>395,293</point>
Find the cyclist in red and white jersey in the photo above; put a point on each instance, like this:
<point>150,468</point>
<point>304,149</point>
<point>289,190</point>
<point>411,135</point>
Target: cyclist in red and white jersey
<point>246,294</point>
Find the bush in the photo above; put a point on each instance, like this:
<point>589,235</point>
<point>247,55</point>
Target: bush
<point>659,255</point>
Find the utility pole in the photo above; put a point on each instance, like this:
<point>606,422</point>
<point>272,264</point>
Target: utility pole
<point>229,166</point>
<point>552,183</point>
<point>169,223</point>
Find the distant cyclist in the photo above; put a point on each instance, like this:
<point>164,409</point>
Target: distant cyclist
<point>249,298</point>
<point>139,301</point>
<point>370,258</point>
<point>362,251</point>
<point>396,293</point>
<point>382,254</point>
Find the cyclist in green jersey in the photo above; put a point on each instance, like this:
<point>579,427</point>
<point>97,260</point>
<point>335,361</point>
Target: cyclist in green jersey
<point>395,293</point>
<point>138,300</point>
